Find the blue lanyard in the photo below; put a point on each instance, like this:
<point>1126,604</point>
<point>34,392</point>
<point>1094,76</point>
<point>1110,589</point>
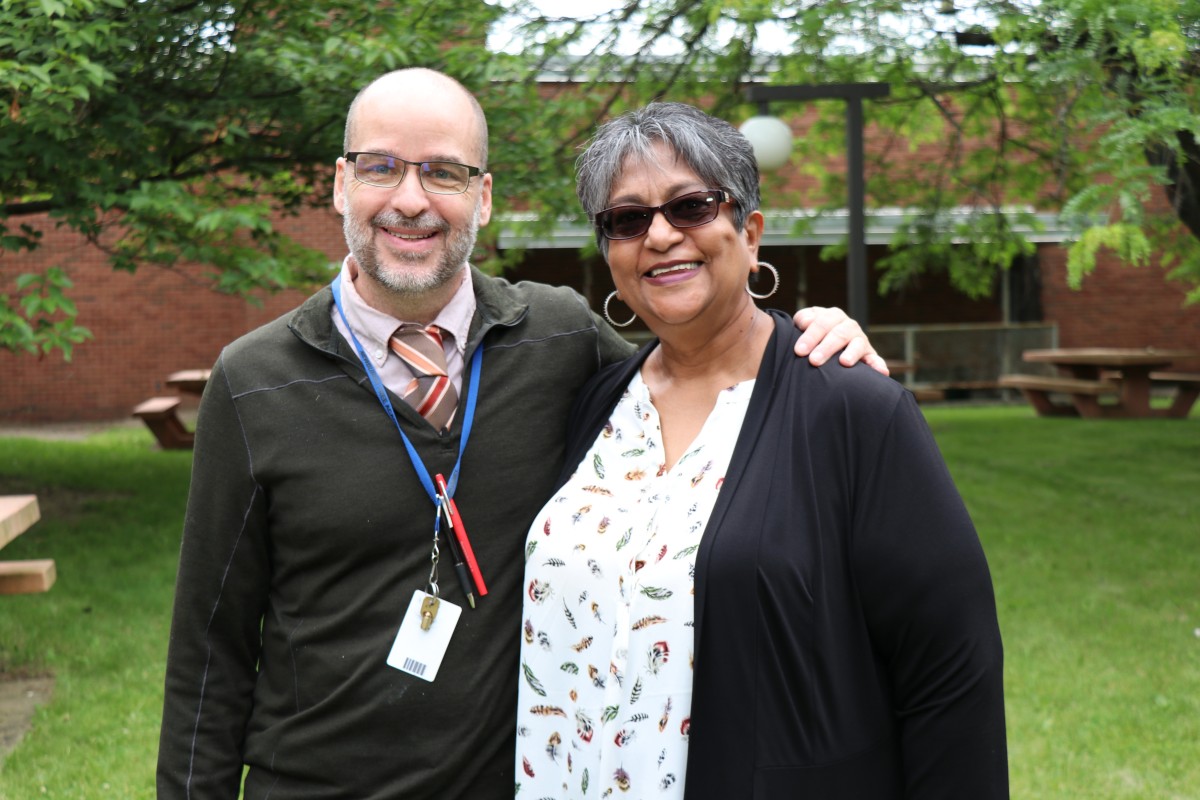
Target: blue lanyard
<point>381,393</point>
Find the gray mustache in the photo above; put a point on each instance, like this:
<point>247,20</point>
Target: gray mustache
<point>392,220</point>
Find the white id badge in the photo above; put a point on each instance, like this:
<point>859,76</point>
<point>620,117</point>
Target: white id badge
<point>420,652</point>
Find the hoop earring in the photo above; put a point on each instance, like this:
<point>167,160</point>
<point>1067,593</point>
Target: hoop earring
<point>608,300</point>
<point>774,289</point>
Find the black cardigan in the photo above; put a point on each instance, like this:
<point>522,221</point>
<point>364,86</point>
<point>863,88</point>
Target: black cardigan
<point>847,644</point>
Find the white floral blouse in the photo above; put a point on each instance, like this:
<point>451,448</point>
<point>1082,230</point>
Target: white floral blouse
<point>606,658</point>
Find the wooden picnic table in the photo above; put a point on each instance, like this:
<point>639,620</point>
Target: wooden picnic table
<point>17,514</point>
<point>189,381</point>
<point>1125,374</point>
<point>161,414</point>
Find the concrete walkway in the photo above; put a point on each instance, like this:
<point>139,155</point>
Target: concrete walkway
<point>19,697</point>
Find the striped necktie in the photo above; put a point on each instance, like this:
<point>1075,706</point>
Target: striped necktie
<point>431,391</point>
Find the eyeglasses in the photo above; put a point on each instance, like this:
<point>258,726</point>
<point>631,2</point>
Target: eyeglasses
<point>685,211</point>
<point>437,177</point>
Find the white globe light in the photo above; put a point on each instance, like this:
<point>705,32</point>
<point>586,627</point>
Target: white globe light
<point>771,139</point>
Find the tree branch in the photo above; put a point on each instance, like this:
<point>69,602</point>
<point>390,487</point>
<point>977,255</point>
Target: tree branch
<point>32,207</point>
<point>1183,171</point>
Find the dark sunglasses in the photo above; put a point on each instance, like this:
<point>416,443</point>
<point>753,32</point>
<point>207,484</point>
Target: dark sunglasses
<point>685,211</point>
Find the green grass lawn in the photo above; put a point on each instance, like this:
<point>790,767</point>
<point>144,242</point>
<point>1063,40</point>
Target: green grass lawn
<point>112,508</point>
<point>1092,530</point>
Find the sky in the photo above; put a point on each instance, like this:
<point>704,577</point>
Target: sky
<point>772,37</point>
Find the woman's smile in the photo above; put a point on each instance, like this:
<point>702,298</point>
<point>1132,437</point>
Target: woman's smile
<point>673,273</point>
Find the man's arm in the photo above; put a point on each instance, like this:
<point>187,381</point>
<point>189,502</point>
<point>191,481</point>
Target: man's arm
<point>828,330</point>
<point>825,332</point>
<point>220,593</point>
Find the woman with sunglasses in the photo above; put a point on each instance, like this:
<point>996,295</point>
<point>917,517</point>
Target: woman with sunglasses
<point>757,579</point>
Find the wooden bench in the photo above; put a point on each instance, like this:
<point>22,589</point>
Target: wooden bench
<point>161,415</point>
<point>926,394</point>
<point>1187,390</point>
<point>962,390</point>
<point>27,577</point>
<point>1084,394</point>
<point>17,514</point>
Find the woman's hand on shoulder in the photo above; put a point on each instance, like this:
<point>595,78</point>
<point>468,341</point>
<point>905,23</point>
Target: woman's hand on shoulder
<point>828,330</point>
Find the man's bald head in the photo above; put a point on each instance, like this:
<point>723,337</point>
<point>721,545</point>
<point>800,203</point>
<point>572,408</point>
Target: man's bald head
<point>402,80</point>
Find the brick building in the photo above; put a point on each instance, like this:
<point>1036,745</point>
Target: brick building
<point>155,322</point>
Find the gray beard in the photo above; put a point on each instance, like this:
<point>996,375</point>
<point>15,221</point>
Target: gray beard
<point>459,246</point>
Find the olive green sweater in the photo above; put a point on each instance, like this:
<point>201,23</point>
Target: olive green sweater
<point>306,534</point>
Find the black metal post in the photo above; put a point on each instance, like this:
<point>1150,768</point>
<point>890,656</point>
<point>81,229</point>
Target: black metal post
<point>857,294</point>
<point>856,254</point>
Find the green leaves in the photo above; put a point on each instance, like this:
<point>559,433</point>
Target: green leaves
<point>175,136</point>
<point>1127,241</point>
<point>40,317</point>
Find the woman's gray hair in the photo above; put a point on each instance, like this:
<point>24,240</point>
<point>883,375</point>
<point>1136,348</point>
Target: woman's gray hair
<point>712,148</point>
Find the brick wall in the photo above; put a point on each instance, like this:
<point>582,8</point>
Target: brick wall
<point>145,326</point>
<point>1118,306</point>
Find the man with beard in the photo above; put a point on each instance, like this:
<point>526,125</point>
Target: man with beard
<point>313,653</point>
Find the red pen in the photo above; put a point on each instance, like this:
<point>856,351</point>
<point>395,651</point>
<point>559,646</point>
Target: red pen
<point>460,534</point>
